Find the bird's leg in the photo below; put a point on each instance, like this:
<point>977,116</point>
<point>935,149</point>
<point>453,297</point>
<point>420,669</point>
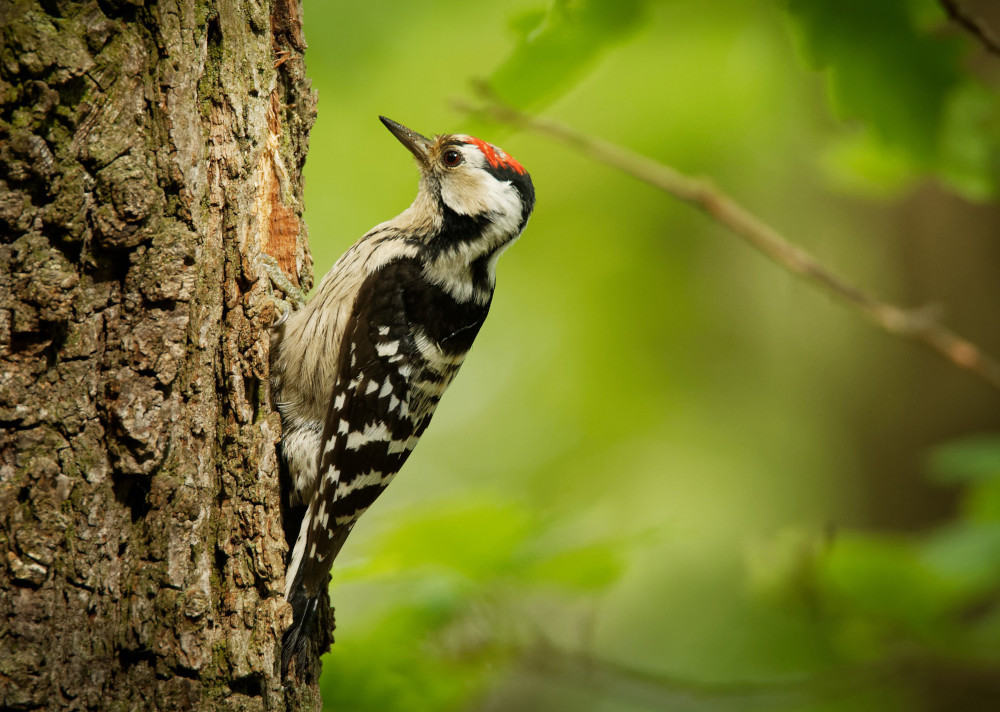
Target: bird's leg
<point>294,298</point>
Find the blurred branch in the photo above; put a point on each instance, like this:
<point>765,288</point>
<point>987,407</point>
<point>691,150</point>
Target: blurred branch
<point>972,24</point>
<point>919,325</point>
<point>658,691</point>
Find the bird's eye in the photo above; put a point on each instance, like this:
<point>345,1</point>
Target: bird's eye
<point>451,158</point>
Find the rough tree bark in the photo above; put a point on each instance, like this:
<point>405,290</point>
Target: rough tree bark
<point>149,153</point>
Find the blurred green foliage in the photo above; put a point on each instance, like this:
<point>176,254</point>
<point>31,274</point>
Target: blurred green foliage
<point>939,588</point>
<point>556,44</point>
<point>923,110</point>
<point>651,456</point>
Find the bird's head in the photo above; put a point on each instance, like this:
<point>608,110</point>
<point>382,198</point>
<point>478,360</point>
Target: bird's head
<point>474,198</point>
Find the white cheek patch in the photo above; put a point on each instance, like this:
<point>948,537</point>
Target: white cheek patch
<point>474,191</point>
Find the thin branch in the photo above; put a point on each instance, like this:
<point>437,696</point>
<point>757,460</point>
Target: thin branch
<point>658,691</point>
<point>972,24</point>
<point>919,325</point>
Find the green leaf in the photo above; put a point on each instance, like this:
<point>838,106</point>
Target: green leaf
<point>888,579</point>
<point>554,48</point>
<point>881,69</point>
<point>401,665</point>
<point>483,541</point>
<point>982,502</point>
<point>859,163</point>
<point>590,568</point>
<point>965,555</point>
<point>472,539</point>
<point>969,141</point>
<point>970,460</point>
<point>888,68</point>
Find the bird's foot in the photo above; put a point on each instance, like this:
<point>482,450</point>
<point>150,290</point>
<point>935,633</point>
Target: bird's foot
<point>292,297</point>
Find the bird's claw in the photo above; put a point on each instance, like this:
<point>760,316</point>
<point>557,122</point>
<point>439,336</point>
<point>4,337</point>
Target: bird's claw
<point>293,297</point>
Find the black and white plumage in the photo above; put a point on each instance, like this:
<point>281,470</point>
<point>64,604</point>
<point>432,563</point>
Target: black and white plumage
<point>359,370</point>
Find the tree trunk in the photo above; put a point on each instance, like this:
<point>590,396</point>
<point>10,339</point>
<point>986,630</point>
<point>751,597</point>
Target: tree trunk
<point>149,153</point>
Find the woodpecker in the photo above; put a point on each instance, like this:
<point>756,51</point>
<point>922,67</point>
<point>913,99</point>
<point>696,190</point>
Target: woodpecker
<point>358,371</point>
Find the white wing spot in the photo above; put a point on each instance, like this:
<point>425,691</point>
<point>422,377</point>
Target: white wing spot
<point>370,434</point>
<point>348,518</point>
<point>371,388</point>
<point>399,446</point>
<point>387,349</point>
<point>343,427</point>
<point>386,389</point>
<point>383,331</point>
<point>338,402</point>
<point>373,477</point>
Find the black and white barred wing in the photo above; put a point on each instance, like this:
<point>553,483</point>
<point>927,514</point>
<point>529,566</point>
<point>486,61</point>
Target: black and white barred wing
<point>369,433</point>
<point>403,344</point>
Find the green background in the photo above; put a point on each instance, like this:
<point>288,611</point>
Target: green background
<point>670,475</point>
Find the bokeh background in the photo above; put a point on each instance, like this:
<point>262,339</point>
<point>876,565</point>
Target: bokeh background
<point>670,475</point>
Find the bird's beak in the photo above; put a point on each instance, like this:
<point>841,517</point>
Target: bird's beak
<point>419,145</point>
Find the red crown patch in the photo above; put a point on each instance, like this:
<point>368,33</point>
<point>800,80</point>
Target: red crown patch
<point>496,156</point>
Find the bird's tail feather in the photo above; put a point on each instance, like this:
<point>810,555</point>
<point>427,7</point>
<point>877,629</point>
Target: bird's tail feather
<point>293,644</point>
<point>307,577</point>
